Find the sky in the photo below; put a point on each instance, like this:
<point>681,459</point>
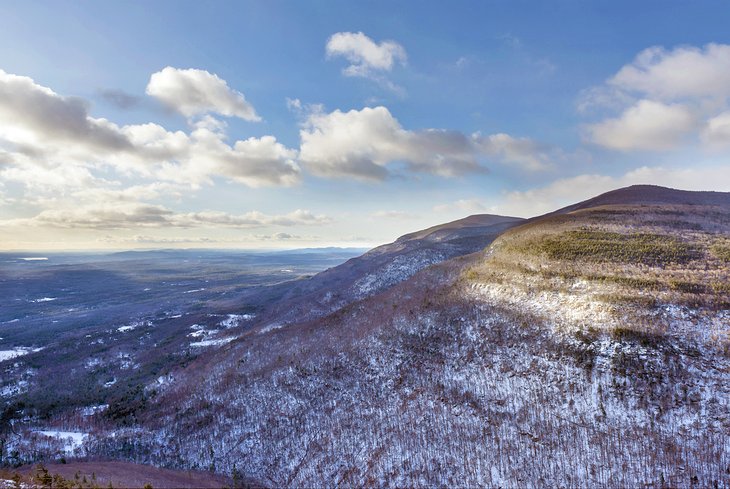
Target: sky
<point>290,124</point>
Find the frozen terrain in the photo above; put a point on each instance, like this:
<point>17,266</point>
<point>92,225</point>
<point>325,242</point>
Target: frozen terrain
<point>586,348</point>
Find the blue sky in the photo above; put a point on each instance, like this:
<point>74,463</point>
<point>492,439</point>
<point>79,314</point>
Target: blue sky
<point>289,124</point>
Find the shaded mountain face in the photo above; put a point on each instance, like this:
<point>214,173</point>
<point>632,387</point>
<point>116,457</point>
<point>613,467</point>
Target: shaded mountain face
<point>378,269</point>
<point>589,347</point>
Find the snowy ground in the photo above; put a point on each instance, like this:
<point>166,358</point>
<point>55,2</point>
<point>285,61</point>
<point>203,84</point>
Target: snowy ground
<point>18,351</point>
<point>71,441</point>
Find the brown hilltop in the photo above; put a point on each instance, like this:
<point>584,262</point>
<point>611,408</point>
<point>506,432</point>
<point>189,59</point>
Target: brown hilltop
<point>651,195</point>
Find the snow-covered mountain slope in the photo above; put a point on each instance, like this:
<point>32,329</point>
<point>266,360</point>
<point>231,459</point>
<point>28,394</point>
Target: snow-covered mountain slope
<point>587,348</point>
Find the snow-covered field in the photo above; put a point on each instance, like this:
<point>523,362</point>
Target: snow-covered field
<point>212,342</point>
<point>72,439</point>
<point>18,351</point>
<point>233,320</point>
<point>132,326</point>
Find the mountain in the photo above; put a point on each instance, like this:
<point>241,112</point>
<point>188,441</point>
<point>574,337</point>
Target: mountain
<point>589,347</point>
<point>622,260</point>
<point>651,195</point>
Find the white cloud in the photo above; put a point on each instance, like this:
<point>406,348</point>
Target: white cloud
<point>365,144</point>
<point>716,133</point>
<point>50,179</point>
<point>255,162</point>
<point>132,215</point>
<point>568,191</point>
<point>294,104</point>
<point>43,133</point>
<point>366,57</point>
<point>361,144</point>
<point>648,125</point>
<point>134,193</point>
<point>155,142</point>
<point>194,92</point>
<point>195,157</point>
<point>667,98</point>
<point>260,159</point>
<point>101,192</point>
<point>521,152</point>
<point>685,71</point>
<point>35,119</point>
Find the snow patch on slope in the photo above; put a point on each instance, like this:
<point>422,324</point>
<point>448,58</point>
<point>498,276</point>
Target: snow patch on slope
<point>399,269</point>
<point>576,307</point>
<point>18,351</point>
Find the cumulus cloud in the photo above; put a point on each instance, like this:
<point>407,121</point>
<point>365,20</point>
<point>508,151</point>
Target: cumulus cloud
<point>50,179</point>
<point>366,57</point>
<point>195,157</point>
<point>685,71</point>
<point>194,92</point>
<point>254,162</point>
<point>522,152</point>
<point>33,117</point>
<point>648,125</point>
<point>716,133</point>
<point>130,215</point>
<point>666,97</point>
<point>362,143</point>
<point>259,159</point>
<point>43,132</point>
<point>366,143</point>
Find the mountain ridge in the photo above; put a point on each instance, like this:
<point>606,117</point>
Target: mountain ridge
<point>650,194</point>
<point>586,347</point>
<point>381,267</point>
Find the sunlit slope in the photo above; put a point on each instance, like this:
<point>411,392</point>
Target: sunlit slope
<point>654,268</point>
